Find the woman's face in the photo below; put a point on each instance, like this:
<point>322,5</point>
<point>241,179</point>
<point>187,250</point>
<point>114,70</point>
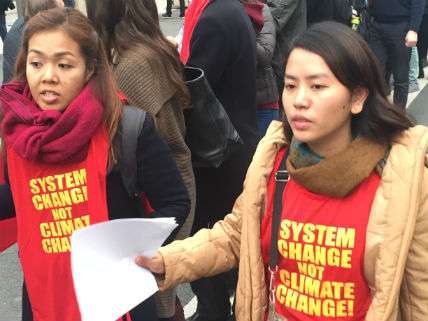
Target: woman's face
<point>56,70</point>
<point>317,105</point>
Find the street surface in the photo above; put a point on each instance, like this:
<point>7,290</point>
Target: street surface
<point>10,271</point>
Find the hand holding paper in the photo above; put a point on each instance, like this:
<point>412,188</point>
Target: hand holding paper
<point>107,281</point>
<point>154,264</point>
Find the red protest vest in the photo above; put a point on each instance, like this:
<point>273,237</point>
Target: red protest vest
<point>321,245</point>
<point>52,202</point>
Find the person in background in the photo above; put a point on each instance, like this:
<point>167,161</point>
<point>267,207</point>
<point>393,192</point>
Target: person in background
<point>332,223</point>
<point>169,4</point>
<point>319,10</point>
<point>219,37</point>
<point>267,92</point>
<point>423,42</point>
<point>392,32</point>
<point>290,20</point>
<point>12,42</point>
<point>148,72</point>
<point>329,10</point>
<point>63,133</point>
<point>4,6</point>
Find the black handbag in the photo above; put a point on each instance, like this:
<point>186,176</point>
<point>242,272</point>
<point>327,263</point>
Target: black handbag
<point>210,134</point>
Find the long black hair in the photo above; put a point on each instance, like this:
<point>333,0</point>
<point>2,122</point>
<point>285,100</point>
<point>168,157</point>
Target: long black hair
<point>353,63</point>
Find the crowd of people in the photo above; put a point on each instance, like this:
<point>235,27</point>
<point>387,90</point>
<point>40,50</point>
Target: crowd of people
<point>319,213</point>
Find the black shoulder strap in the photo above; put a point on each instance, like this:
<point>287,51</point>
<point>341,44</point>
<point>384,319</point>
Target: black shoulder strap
<point>281,179</point>
<point>131,126</point>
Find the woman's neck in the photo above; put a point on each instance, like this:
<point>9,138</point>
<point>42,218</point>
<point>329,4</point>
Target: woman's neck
<point>328,147</point>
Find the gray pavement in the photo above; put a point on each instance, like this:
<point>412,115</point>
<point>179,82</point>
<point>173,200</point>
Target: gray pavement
<point>10,285</point>
<point>418,108</point>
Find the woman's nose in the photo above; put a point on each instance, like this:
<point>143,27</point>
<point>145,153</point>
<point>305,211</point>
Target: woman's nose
<point>301,99</point>
<point>49,74</point>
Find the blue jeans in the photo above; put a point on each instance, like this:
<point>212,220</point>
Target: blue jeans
<point>414,67</point>
<point>264,117</point>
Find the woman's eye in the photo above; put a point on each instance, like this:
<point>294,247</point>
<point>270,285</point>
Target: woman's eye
<point>289,86</point>
<point>318,86</point>
<point>65,66</point>
<point>36,64</point>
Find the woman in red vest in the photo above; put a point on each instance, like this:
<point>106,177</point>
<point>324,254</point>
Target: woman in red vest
<point>67,158</point>
<point>333,220</point>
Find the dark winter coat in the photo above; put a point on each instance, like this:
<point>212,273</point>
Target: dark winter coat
<point>223,44</point>
<point>394,11</point>
<point>267,92</point>
<point>290,20</point>
<point>319,10</point>
<point>325,10</point>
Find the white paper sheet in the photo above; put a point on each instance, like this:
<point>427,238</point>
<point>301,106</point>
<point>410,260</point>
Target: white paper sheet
<point>107,282</point>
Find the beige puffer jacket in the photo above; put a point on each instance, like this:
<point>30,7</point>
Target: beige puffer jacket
<point>396,255</point>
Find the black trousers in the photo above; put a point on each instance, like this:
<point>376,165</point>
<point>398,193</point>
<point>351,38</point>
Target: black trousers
<point>213,295</point>
<point>216,190</point>
<point>387,40</point>
<point>423,42</point>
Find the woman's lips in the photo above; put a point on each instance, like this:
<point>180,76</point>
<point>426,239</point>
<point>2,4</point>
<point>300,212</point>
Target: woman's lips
<point>300,123</point>
<point>49,97</point>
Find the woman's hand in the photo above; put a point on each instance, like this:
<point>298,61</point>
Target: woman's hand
<point>154,264</point>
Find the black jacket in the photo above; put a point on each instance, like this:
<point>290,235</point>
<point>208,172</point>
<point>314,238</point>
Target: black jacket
<point>319,10</point>
<point>223,44</point>
<point>391,11</point>
<point>325,10</point>
<point>290,21</point>
<point>267,92</point>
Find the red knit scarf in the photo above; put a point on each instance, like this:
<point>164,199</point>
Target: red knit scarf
<point>49,136</point>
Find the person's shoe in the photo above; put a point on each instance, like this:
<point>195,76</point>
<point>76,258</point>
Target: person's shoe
<point>182,15</point>
<point>421,74</point>
<point>413,87</point>
<point>167,15</point>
